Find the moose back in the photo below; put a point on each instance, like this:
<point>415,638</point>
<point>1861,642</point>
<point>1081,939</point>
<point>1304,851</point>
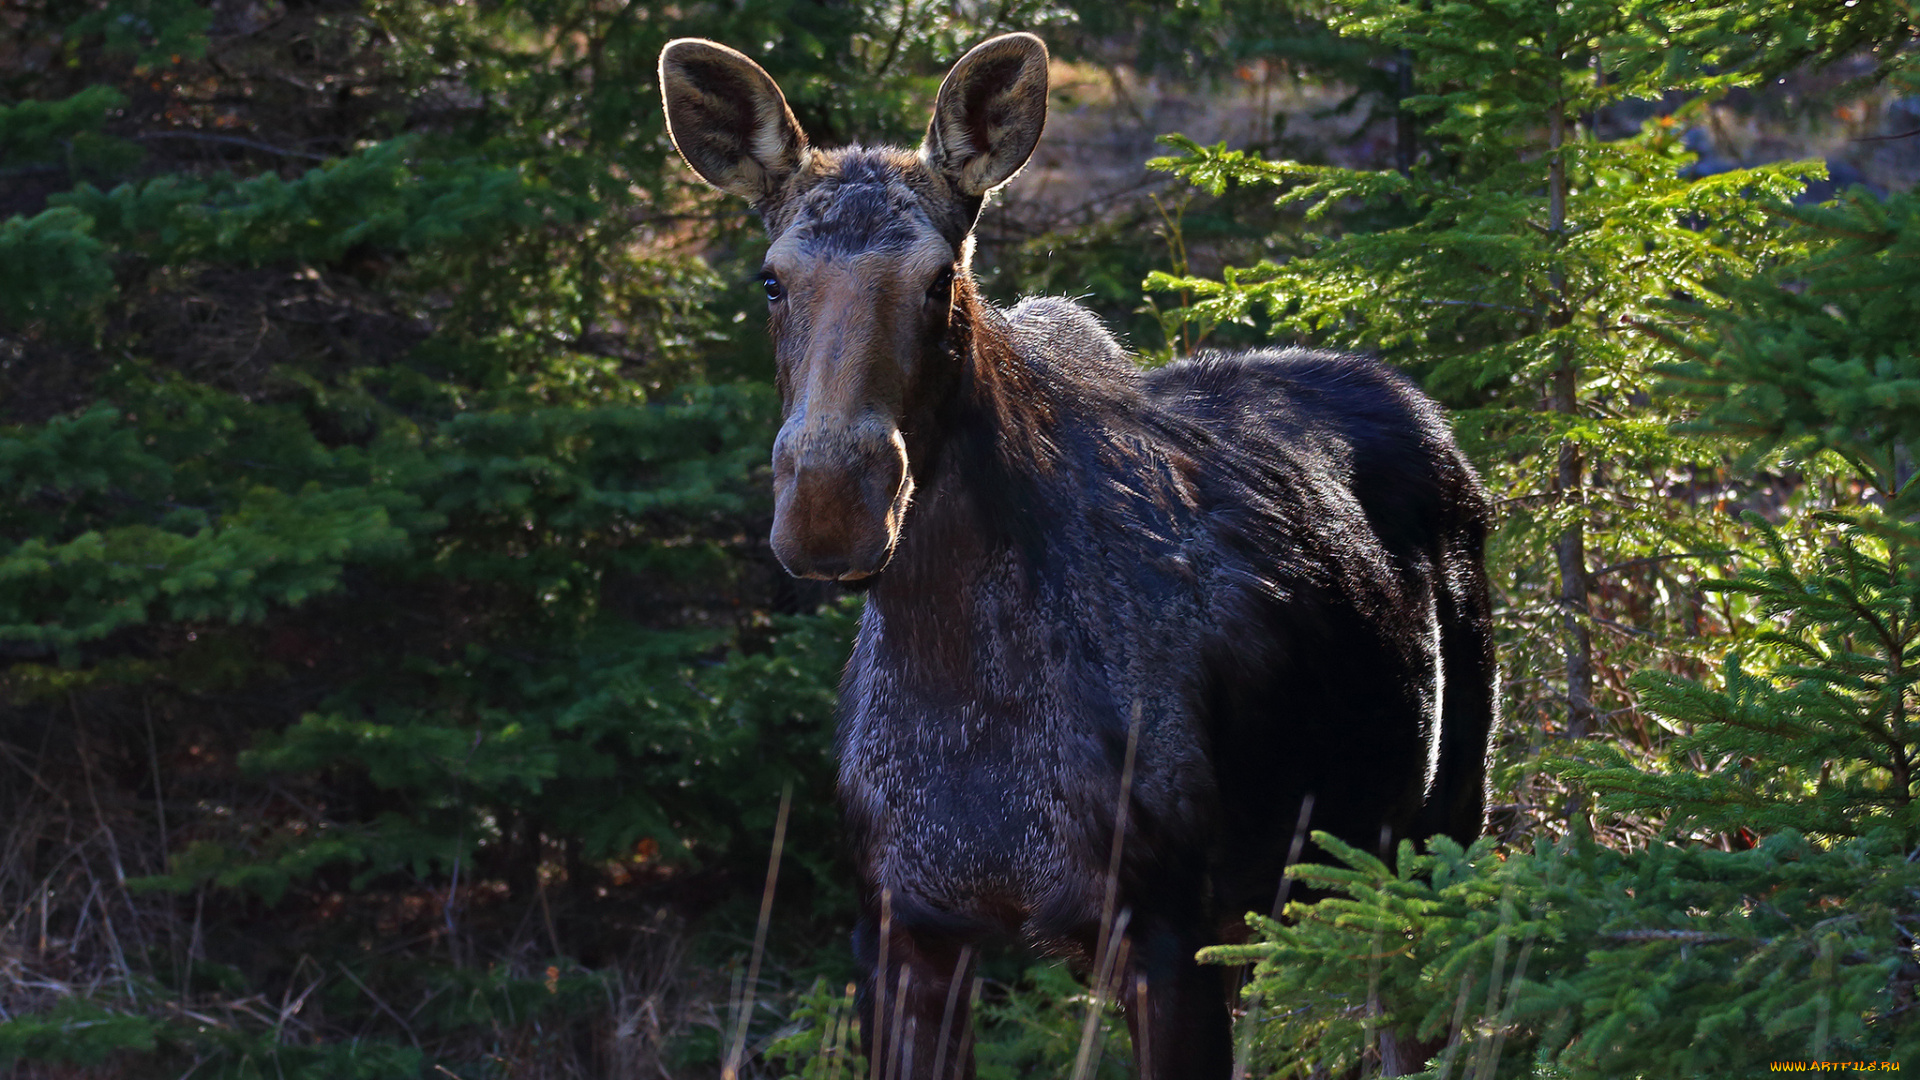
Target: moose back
<point>1249,582</point>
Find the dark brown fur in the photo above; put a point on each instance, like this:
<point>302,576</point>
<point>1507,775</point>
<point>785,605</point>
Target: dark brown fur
<point>1273,560</point>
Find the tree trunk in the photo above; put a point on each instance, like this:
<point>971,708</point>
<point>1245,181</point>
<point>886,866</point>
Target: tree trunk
<point>1406,134</point>
<point>1571,549</point>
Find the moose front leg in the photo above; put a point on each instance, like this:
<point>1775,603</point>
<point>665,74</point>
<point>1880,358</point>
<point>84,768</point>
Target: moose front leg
<point>914,1002</point>
<point>1176,1008</point>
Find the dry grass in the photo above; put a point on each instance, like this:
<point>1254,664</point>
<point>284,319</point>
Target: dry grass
<point>77,828</point>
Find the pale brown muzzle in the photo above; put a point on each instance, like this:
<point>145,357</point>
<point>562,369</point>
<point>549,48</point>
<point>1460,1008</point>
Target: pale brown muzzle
<point>838,498</point>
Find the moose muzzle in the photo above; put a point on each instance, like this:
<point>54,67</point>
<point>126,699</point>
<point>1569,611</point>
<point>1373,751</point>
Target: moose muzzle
<point>838,498</point>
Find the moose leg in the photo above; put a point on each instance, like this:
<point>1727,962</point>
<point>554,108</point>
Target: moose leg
<point>1176,1008</point>
<point>914,1011</point>
<point>1471,709</point>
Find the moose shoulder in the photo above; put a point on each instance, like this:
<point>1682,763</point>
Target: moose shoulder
<point>1264,569</point>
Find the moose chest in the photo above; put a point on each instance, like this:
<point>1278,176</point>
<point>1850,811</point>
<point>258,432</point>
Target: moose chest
<point>981,751</point>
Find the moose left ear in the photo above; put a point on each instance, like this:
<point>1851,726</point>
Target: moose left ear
<point>989,114</point>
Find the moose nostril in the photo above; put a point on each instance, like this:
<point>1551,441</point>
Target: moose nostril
<point>830,566</point>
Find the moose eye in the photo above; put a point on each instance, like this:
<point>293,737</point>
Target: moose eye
<point>772,285</point>
<point>942,286</point>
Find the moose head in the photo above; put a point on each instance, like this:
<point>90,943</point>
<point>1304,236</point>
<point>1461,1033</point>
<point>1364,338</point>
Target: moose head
<point>868,290</point>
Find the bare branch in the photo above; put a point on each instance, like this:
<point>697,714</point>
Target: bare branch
<point>200,136</point>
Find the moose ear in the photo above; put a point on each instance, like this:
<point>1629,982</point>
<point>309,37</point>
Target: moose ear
<point>728,119</point>
<point>989,114</point>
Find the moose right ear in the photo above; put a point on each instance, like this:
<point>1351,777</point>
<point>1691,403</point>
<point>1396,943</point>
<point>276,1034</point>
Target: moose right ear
<point>729,120</point>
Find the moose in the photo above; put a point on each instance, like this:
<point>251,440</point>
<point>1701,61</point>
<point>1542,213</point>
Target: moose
<point>1122,626</point>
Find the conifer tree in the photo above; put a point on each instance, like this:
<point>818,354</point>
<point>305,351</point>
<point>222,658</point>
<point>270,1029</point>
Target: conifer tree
<point>1774,919</point>
<point>1524,252</point>
<point>1813,363</point>
<point>382,527</point>
<point>1681,958</point>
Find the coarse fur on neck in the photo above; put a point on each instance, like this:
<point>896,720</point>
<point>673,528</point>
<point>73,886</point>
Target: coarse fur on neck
<point>1030,398</point>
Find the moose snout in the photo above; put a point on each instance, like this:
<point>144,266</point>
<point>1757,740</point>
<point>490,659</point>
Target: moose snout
<point>837,502</point>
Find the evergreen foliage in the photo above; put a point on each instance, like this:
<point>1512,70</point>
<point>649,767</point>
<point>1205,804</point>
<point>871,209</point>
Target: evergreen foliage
<point>1814,361</point>
<point>1507,269</point>
<point>393,675</point>
<point>1578,960</point>
<point>384,594</point>
<point>1773,917</point>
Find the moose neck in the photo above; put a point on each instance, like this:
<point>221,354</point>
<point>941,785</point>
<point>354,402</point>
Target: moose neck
<point>980,438</point>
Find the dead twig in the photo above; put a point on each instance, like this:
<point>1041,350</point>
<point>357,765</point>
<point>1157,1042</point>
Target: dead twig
<point>384,1007</point>
<point>250,144</point>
